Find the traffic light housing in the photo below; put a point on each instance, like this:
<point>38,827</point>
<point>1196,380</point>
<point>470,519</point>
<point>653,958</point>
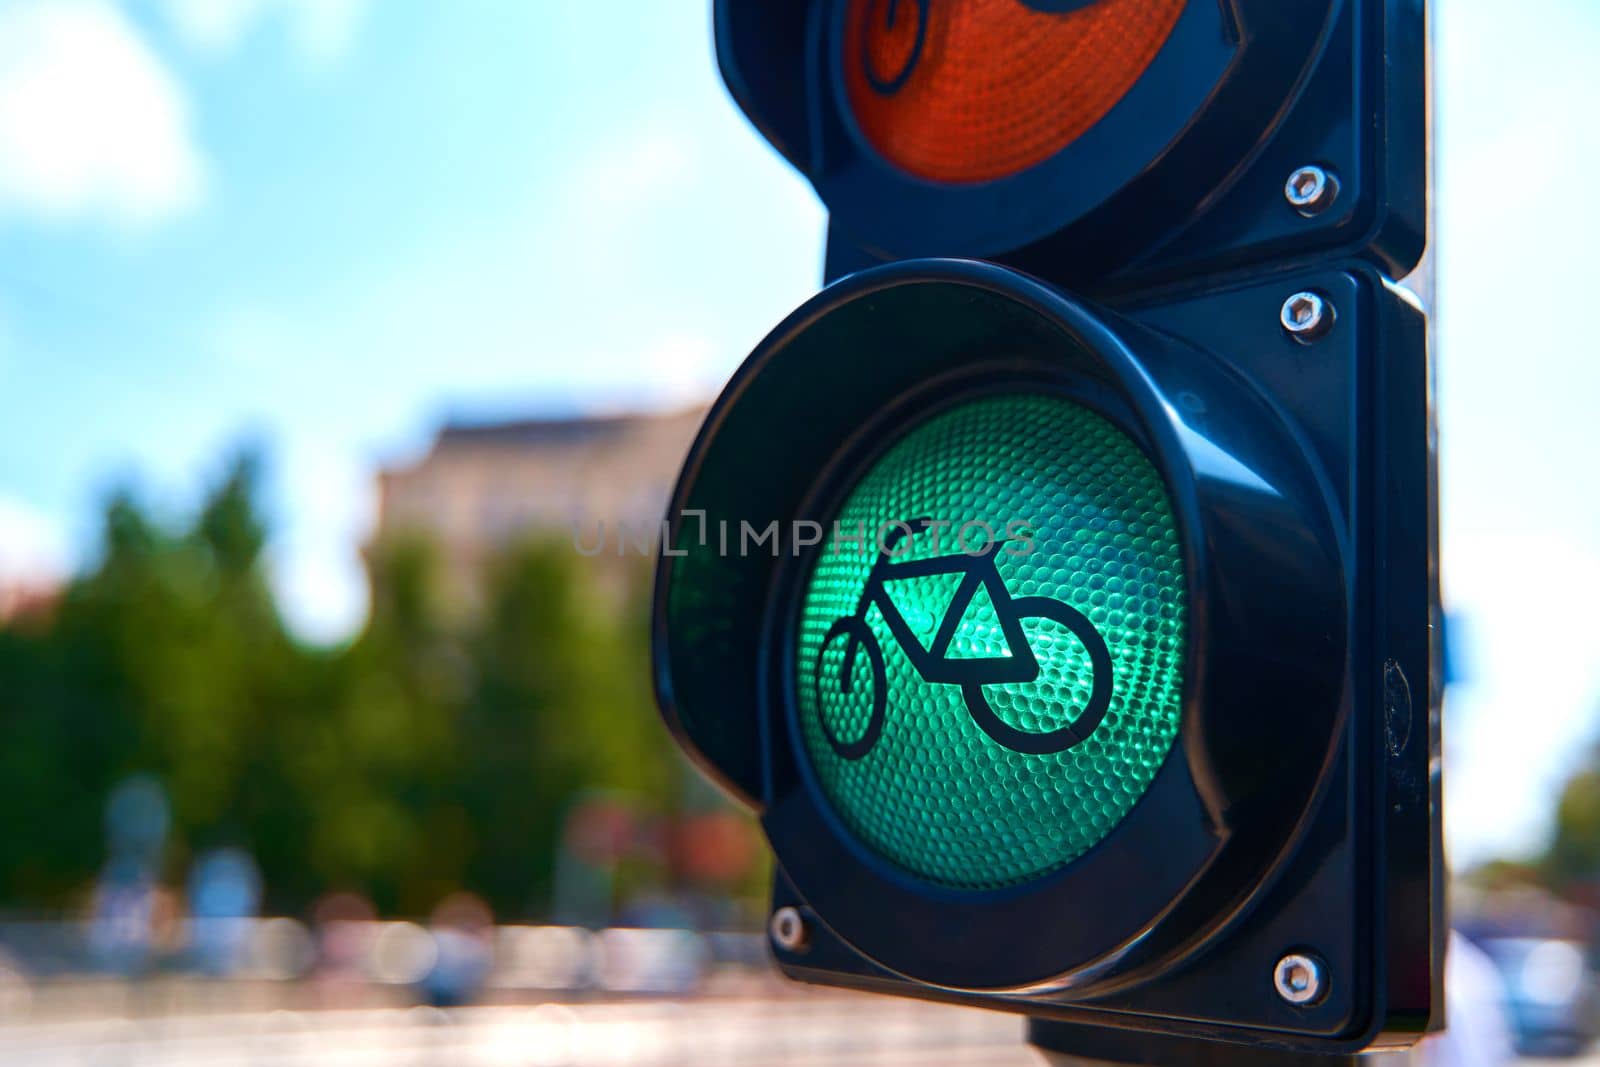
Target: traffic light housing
<point>1066,609</point>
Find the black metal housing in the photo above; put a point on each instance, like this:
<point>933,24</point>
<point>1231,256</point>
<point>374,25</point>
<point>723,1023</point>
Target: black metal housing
<point>1262,568</point>
<point>1300,810</point>
<point>1305,524</point>
<point>1185,174</point>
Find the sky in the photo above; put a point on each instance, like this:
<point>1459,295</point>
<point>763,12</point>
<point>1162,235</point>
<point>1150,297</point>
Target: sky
<point>324,226</point>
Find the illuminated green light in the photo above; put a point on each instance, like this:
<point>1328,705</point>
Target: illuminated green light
<point>992,747</point>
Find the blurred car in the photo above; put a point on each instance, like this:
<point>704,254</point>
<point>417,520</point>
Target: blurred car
<point>1552,998</point>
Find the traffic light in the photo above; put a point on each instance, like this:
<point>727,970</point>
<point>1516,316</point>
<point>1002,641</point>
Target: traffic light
<point>1065,604</point>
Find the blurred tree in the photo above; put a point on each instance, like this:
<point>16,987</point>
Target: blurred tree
<point>435,752</point>
<point>1574,853</point>
<point>559,709</point>
<point>378,770</point>
<point>167,657</point>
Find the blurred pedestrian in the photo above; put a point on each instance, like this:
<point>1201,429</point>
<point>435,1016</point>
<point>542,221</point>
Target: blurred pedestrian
<point>345,927</point>
<point>224,896</point>
<point>463,935</point>
<point>126,906</point>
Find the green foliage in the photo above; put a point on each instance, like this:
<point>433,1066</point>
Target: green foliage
<point>1574,853</point>
<point>426,756</point>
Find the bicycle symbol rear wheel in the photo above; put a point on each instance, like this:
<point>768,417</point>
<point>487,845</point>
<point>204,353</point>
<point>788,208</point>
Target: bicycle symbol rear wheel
<point>1066,737</point>
<point>855,630</point>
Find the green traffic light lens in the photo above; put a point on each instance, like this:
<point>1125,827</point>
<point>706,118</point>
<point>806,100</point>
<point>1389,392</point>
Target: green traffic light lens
<point>989,657</point>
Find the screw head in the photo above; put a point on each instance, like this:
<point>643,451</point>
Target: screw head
<point>1311,190</point>
<point>1307,316</point>
<point>1300,979</point>
<point>788,930</point>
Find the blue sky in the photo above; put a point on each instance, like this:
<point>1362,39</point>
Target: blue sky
<point>335,229</point>
<point>325,225</point>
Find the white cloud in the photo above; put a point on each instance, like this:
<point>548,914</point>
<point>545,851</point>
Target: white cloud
<point>323,497</point>
<point>33,546</point>
<point>213,25</point>
<point>321,30</point>
<point>687,368</point>
<point>91,123</point>
<point>1523,717</point>
<point>639,167</point>
<point>330,509</point>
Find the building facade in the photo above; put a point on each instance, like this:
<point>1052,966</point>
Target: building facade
<point>484,487</point>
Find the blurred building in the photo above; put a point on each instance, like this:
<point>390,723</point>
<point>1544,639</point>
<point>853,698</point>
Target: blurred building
<point>27,600</point>
<point>484,486</point>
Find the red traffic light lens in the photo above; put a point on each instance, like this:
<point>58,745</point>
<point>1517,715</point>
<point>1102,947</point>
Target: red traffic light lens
<point>976,90</point>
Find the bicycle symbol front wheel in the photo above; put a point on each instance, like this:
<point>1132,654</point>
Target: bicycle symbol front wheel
<point>1046,743</point>
<point>859,638</point>
<point>892,82</point>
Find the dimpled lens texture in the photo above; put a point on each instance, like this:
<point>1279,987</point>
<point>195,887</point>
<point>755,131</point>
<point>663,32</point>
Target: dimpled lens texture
<point>984,89</point>
<point>1092,529</point>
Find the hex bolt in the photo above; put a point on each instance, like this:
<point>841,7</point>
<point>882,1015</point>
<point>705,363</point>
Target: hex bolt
<point>1311,190</point>
<point>788,930</point>
<point>1300,979</point>
<point>1307,317</point>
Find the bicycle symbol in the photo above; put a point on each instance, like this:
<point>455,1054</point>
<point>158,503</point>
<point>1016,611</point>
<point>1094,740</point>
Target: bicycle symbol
<point>890,83</point>
<point>883,17</point>
<point>936,666</point>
